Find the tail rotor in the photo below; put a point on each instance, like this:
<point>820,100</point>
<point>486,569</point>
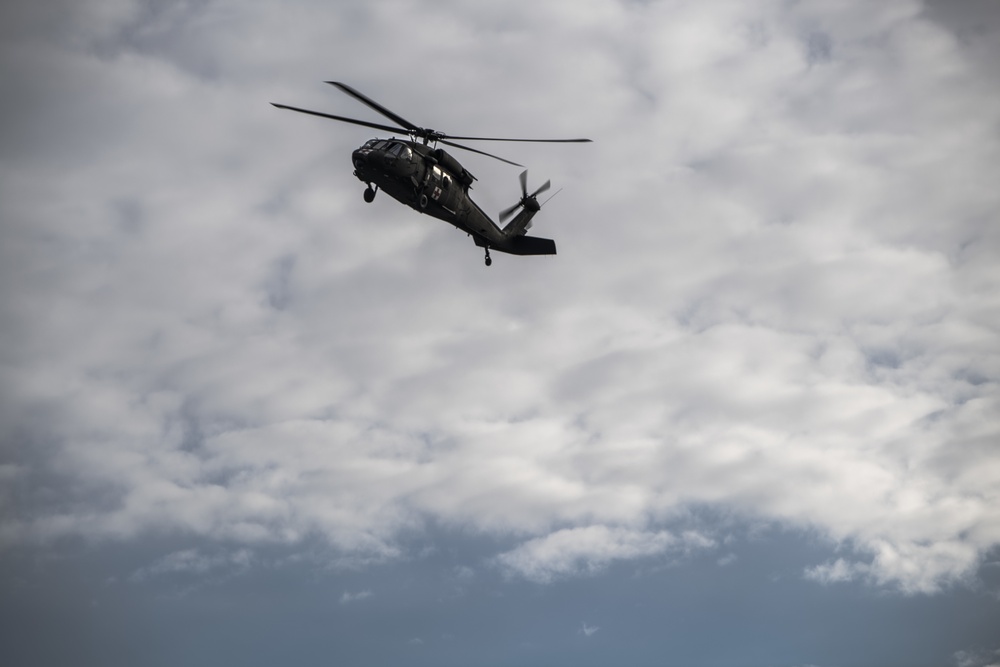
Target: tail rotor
<point>529,202</point>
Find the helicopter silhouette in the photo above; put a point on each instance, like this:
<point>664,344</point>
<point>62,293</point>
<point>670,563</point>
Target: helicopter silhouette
<point>430,180</point>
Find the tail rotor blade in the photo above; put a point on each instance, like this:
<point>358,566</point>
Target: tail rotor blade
<point>506,213</point>
<point>545,186</point>
<point>524,183</point>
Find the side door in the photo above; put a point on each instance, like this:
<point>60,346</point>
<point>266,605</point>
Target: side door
<point>442,189</point>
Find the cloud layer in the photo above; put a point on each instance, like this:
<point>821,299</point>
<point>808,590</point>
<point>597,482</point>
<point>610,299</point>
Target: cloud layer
<point>776,294</point>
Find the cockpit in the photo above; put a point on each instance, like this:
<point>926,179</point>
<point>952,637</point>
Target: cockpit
<point>385,156</point>
<point>399,150</point>
<point>393,149</point>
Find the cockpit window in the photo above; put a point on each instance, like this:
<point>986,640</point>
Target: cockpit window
<point>379,144</point>
<point>394,149</point>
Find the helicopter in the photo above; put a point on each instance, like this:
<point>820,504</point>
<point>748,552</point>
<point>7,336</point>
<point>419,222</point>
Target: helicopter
<point>416,172</point>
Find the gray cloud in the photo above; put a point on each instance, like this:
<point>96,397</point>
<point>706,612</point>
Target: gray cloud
<point>191,561</point>
<point>775,293</point>
<point>348,597</point>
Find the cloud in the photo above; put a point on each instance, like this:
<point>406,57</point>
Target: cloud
<point>837,572</point>
<point>193,562</point>
<point>587,630</point>
<point>577,551</point>
<point>727,560</point>
<point>775,294</point>
<point>976,658</point>
<point>349,597</point>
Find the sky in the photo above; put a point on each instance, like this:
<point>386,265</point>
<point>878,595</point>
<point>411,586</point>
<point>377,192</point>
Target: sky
<point>747,416</point>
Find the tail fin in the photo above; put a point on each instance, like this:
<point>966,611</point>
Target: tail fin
<point>520,224</point>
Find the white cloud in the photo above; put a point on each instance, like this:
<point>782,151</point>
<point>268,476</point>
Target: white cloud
<point>576,551</point>
<point>837,572</point>
<point>587,630</point>
<point>776,292</point>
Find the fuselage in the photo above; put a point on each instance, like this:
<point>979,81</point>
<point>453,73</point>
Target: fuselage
<point>428,180</point>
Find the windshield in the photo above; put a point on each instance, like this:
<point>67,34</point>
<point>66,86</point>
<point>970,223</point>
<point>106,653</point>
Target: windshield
<point>400,151</point>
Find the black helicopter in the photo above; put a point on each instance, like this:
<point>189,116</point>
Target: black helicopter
<point>430,180</point>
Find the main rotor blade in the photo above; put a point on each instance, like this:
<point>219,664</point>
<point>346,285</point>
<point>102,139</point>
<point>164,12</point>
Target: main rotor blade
<point>364,99</point>
<point>537,141</point>
<point>355,121</point>
<point>476,150</point>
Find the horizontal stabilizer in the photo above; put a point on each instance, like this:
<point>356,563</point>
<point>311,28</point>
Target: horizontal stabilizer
<point>519,245</point>
<point>531,245</point>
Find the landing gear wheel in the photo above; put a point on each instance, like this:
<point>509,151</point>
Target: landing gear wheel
<point>369,194</point>
<point>422,201</point>
<point>489,260</point>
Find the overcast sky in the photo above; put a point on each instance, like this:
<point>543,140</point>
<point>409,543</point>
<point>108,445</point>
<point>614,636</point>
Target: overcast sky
<point>748,415</point>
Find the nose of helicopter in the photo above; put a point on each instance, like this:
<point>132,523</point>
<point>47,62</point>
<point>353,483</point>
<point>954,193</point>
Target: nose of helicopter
<point>359,158</point>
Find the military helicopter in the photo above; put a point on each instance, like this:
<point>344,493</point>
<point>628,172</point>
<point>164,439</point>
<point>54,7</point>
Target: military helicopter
<point>417,173</point>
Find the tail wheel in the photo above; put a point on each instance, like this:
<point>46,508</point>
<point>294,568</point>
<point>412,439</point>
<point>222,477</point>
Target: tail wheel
<point>369,194</point>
